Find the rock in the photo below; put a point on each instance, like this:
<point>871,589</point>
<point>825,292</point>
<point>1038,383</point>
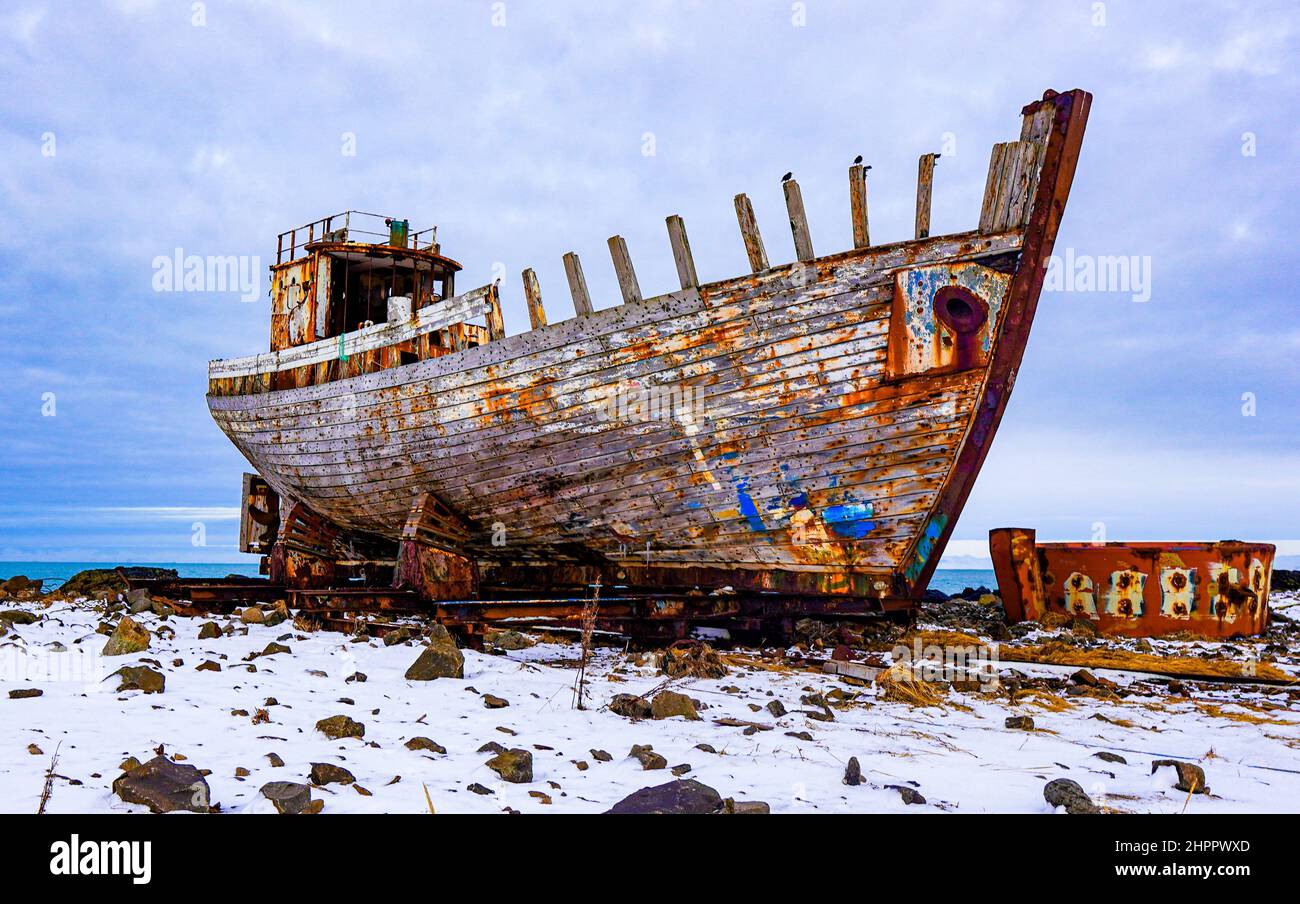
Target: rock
<point>681,769</point>
<point>909,794</point>
<point>396,636</point>
<point>668,704</point>
<point>95,580</point>
<point>208,665</point>
<point>1020,723</point>
<point>138,600</point>
<point>749,807</point>
<point>511,640</point>
<point>20,583</point>
<point>440,659</point>
<point>492,702</point>
<point>600,756</point>
<point>853,772</point>
<point>645,755</point>
<point>491,747</point>
<point>801,735</point>
<point>1144,646</point>
<point>1067,793</point>
<point>328,773</point>
<point>289,798</point>
<point>681,796</point>
<point>514,765</point>
<point>776,708</point>
<point>129,763</point>
<point>630,706</point>
<point>209,631</point>
<point>274,648</point>
<point>479,789</point>
<point>1190,776</point>
<point>274,760</point>
<point>25,693</point>
<point>1111,757</point>
<point>18,617</point>
<point>164,786</point>
<point>336,727</point>
<point>128,637</point>
<point>422,743</point>
<point>1084,677</point>
<point>140,678</point>
<point>252,616</point>
<point>274,617</point>
<point>707,748</point>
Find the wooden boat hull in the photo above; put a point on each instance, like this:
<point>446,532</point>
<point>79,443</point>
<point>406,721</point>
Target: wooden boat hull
<point>810,428</point>
<point>1136,589</point>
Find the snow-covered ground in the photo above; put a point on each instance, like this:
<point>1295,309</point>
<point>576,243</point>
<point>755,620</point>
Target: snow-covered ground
<point>958,755</point>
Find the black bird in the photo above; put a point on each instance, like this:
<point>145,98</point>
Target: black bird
<point>787,177</point>
<point>857,161</point>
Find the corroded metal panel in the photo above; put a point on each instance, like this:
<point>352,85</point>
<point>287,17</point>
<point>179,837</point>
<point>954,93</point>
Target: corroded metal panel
<point>1136,589</point>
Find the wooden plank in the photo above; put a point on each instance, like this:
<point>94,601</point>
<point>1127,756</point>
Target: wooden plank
<point>803,249</point>
<point>496,325</point>
<point>1025,180</point>
<point>533,296</point>
<point>682,253</point>
<point>627,283</point>
<point>858,205</point>
<point>433,317</point>
<point>924,188</point>
<point>993,185</point>
<point>749,232</point>
<point>577,285</point>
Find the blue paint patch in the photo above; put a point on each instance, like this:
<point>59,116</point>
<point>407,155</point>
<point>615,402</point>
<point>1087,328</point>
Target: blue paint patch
<point>850,519</point>
<point>925,546</point>
<point>799,502</point>
<point>747,507</point>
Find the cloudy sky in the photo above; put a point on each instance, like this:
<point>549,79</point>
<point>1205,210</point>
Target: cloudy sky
<point>529,128</point>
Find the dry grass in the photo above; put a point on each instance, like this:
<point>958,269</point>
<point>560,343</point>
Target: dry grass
<point>49,781</point>
<point>1177,666</point>
<point>944,639</point>
<point>1045,699</point>
<point>589,611</point>
<point>899,684</point>
<point>1217,712</point>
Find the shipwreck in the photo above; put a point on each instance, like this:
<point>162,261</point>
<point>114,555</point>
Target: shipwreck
<point>799,439</point>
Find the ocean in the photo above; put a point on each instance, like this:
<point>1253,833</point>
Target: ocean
<point>946,580</point>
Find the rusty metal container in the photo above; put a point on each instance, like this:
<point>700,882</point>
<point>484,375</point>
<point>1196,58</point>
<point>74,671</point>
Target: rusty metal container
<point>1136,589</point>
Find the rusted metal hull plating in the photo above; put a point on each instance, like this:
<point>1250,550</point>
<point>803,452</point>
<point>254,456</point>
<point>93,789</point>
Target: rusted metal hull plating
<point>810,429</point>
<point>1136,589</point>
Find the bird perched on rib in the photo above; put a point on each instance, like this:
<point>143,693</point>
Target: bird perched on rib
<point>787,177</point>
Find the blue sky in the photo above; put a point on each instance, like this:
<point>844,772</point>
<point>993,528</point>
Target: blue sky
<point>131,128</point>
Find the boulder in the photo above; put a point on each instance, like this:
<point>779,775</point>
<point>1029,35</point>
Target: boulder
<point>776,708</point>
<point>645,755</point>
<point>96,580</point>
<point>511,640</point>
<point>1020,723</point>
<point>138,601</point>
<point>1067,793</point>
<point>1191,777</point>
<point>140,678</point>
<point>209,631</point>
<point>252,616</point>
<point>909,794</point>
<point>679,797</point>
<point>327,773</point>
<point>1109,757</point>
<point>18,617</point>
<point>164,786</point>
<point>20,583</point>
<point>336,727</point>
<point>514,765</point>
<point>423,743</point>
<point>128,637</point>
<point>853,772</point>
<point>668,704</point>
<point>396,636</point>
<point>492,702</point>
<point>440,659</point>
<point>25,693</point>
<point>630,706</point>
<point>289,798</point>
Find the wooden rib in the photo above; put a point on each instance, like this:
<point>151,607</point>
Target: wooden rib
<point>682,253</point>
<point>1024,181</point>
<point>577,285</point>
<point>533,295</point>
<point>749,232</point>
<point>924,187</point>
<point>627,283</point>
<point>993,185</point>
<point>803,249</point>
<point>858,205</point>
<point>496,325</point>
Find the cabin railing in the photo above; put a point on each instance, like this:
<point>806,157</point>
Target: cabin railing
<point>352,226</point>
